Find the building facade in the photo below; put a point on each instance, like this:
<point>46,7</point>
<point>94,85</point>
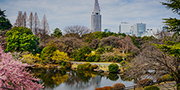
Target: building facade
<point>96,17</point>
<point>139,29</point>
<point>124,27</point>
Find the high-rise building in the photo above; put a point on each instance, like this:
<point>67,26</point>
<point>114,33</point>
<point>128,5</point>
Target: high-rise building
<point>96,18</point>
<point>124,27</point>
<point>139,29</point>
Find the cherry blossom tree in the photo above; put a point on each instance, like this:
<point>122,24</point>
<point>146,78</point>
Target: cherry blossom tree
<point>14,75</point>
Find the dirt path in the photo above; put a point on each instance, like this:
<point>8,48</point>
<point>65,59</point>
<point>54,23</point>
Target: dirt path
<point>167,86</point>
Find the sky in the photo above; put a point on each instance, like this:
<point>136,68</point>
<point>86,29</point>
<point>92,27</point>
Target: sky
<point>63,13</point>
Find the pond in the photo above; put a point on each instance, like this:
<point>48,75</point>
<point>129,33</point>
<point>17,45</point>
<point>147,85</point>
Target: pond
<point>77,80</point>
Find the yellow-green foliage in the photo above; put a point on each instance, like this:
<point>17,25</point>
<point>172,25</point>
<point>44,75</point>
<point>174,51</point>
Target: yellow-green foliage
<point>167,77</point>
<point>58,78</point>
<point>31,59</point>
<point>59,56</point>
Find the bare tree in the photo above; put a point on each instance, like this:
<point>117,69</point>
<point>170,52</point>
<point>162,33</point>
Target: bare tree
<point>24,19</point>
<point>152,58</point>
<point>36,24</point>
<point>163,34</point>
<point>77,29</point>
<point>45,28</point>
<point>31,21</point>
<point>19,20</point>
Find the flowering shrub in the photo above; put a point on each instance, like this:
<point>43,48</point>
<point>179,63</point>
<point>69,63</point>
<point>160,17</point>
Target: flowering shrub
<point>13,74</point>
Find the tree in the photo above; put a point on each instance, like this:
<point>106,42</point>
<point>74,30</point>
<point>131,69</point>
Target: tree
<point>24,19</point>
<point>21,39</point>
<point>80,55</point>
<point>31,21</point>
<point>45,28</point>
<point>164,59</point>
<point>4,22</point>
<point>36,24</point>
<point>173,23</point>
<point>77,29</point>
<point>57,33</point>
<point>19,20</point>
<point>14,75</point>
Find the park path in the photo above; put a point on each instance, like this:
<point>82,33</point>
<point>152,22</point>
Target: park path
<point>167,86</point>
<point>95,63</point>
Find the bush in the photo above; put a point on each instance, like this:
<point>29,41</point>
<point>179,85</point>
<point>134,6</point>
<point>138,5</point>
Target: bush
<point>151,88</point>
<point>86,66</point>
<point>47,52</point>
<point>79,67</point>
<point>80,55</point>
<point>145,82</point>
<point>113,68</point>
<point>92,67</point>
<point>68,65</point>
<point>167,77</point>
<point>118,86</point>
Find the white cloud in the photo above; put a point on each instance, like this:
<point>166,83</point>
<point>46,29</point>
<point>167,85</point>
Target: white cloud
<point>62,13</point>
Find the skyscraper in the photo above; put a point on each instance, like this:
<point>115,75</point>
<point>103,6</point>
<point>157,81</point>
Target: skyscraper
<point>96,18</point>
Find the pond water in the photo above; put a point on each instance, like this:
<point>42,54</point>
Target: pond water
<point>77,80</point>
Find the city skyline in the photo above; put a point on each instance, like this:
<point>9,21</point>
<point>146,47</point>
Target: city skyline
<point>62,13</point>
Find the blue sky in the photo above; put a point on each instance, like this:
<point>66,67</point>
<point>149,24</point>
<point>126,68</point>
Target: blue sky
<point>62,13</point>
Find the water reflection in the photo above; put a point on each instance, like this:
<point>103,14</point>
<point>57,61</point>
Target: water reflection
<point>75,80</point>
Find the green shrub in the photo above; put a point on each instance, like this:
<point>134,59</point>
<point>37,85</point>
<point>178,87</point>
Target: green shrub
<point>118,86</point>
<point>68,65</point>
<point>86,66</point>
<point>145,82</point>
<point>47,52</point>
<point>79,67</point>
<point>80,55</point>
<point>151,88</point>
<point>113,68</point>
<point>91,68</point>
<point>167,77</point>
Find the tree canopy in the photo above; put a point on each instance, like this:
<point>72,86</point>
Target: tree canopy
<point>21,39</point>
<point>4,22</point>
<point>173,23</point>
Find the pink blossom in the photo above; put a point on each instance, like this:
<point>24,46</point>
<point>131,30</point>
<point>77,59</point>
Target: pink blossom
<point>13,74</point>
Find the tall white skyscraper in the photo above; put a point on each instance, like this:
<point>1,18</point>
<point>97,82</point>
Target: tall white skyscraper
<point>124,27</point>
<point>139,29</point>
<point>96,18</point>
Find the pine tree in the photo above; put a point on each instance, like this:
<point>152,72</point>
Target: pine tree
<point>173,23</point>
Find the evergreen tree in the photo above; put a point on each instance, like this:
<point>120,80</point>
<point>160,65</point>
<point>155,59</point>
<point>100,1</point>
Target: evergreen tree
<point>4,22</point>
<point>173,23</point>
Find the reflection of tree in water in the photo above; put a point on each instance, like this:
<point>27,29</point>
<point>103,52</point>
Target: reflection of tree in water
<point>81,79</point>
<point>51,78</point>
<point>113,76</point>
